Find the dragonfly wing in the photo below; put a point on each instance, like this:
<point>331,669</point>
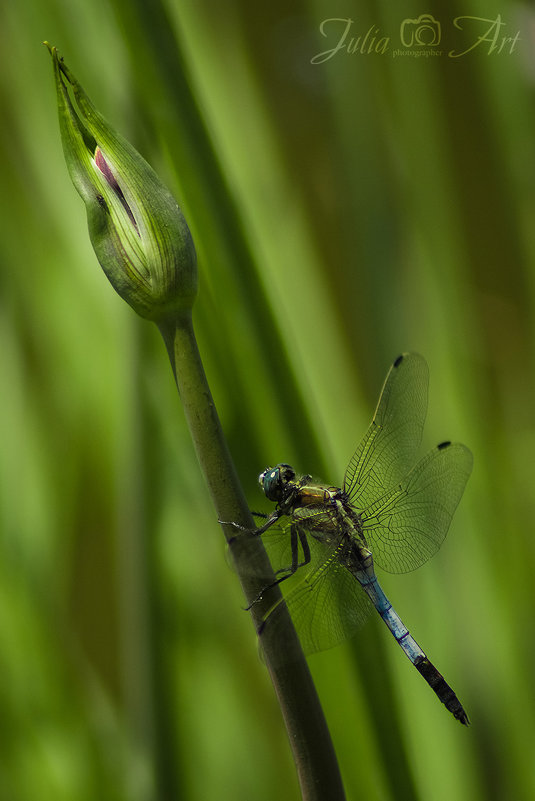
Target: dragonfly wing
<point>278,542</point>
<point>407,526</point>
<point>326,604</point>
<point>318,524</point>
<point>389,447</point>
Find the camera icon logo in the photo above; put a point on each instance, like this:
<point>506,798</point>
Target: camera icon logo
<point>422,32</point>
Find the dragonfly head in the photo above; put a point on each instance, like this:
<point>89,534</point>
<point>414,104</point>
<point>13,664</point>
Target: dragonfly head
<point>274,481</point>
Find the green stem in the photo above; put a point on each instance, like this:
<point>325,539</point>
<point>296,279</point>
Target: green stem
<point>309,737</point>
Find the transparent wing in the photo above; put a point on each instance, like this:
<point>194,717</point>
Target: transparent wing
<point>326,603</point>
<point>278,543</point>
<point>389,447</point>
<point>407,526</point>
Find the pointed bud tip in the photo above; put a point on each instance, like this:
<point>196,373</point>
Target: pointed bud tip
<point>58,62</point>
<point>53,52</point>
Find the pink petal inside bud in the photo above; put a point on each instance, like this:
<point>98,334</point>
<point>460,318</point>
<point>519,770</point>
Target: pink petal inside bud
<point>105,169</point>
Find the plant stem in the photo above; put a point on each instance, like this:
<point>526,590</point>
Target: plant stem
<point>309,737</point>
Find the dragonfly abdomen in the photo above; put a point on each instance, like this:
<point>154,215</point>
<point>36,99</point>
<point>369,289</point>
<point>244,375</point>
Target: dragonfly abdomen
<point>440,686</point>
<point>402,635</point>
<point>411,648</point>
<point>392,619</point>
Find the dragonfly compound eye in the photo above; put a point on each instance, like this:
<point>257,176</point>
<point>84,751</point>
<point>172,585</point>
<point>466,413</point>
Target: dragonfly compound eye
<point>274,479</point>
<point>270,483</point>
<point>262,476</point>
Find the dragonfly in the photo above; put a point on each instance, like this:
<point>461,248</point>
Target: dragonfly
<point>324,541</point>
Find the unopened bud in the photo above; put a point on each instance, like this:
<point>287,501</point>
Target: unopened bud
<point>137,230</point>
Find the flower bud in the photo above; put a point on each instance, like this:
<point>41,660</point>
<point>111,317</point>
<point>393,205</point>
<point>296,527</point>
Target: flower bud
<point>137,230</point>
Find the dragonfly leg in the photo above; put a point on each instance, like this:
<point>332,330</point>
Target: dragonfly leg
<point>244,528</point>
<point>294,544</point>
<point>253,531</point>
<point>271,520</point>
<point>296,536</point>
<point>237,526</point>
<point>233,524</point>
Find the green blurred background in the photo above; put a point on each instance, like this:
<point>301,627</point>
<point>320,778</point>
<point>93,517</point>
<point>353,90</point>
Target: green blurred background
<point>342,212</point>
